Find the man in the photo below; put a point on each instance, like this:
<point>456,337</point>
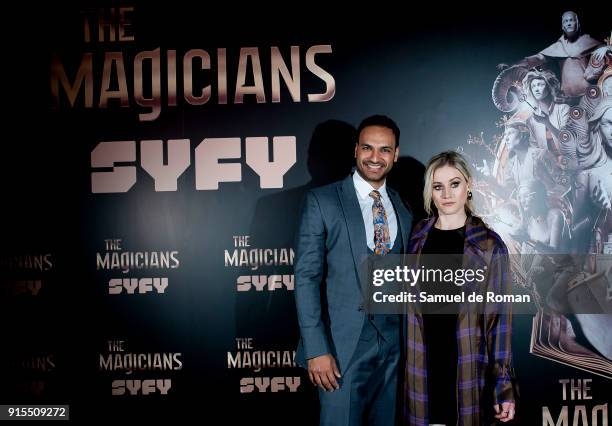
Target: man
<point>352,356</point>
<point>572,50</point>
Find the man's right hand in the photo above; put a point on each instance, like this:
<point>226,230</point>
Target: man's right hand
<point>323,372</point>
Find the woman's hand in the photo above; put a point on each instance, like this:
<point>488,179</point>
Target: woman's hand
<point>507,411</point>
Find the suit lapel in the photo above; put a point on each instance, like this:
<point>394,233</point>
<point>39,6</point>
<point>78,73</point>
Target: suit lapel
<point>402,215</point>
<point>354,221</point>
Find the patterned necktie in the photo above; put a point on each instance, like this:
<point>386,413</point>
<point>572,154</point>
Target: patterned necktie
<point>382,238</point>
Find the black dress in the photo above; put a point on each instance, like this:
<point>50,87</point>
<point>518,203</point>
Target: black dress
<point>440,333</point>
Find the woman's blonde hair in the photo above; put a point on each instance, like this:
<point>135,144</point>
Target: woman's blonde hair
<point>450,158</point>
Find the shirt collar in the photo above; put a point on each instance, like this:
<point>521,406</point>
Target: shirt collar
<point>364,188</point>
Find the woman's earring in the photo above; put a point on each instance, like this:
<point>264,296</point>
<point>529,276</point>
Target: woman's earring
<point>469,197</point>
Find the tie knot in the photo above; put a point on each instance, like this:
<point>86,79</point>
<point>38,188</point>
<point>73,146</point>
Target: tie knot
<point>375,194</point>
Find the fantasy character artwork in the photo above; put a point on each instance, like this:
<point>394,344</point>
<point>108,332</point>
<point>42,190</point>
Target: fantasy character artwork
<point>545,185</point>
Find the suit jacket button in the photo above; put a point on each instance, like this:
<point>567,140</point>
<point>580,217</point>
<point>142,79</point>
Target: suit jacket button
<point>360,308</point>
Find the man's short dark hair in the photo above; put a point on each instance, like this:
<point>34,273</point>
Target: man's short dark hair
<point>383,121</point>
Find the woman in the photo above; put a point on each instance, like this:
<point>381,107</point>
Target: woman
<point>457,363</point>
<point>550,112</point>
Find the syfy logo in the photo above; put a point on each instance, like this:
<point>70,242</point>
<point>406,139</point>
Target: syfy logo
<point>208,170</point>
<point>264,282</point>
<point>141,387</point>
<point>137,285</point>
<point>29,287</point>
<point>31,387</point>
<point>269,384</point>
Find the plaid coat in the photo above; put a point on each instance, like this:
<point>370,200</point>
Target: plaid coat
<point>484,368</point>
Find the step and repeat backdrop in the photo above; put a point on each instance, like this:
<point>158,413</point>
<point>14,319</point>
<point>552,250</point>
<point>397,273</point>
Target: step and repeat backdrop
<point>155,158</point>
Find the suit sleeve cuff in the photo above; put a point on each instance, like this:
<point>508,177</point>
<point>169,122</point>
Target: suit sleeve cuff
<point>315,342</point>
<point>504,387</point>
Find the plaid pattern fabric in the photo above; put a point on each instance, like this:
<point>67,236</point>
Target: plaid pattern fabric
<point>382,238</point>
<point>483,340</point>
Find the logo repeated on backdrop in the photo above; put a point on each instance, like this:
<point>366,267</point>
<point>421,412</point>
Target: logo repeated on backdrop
<point>29,368</point>
<point>247,357</point>
<point>32,373</point>
<point>245,257</point>
<point>123,264</point>
<point>24,274</point>
<point>138,373</point>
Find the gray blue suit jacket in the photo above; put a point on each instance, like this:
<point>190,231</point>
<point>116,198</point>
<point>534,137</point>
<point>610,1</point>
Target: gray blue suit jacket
<point>331,244</point>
